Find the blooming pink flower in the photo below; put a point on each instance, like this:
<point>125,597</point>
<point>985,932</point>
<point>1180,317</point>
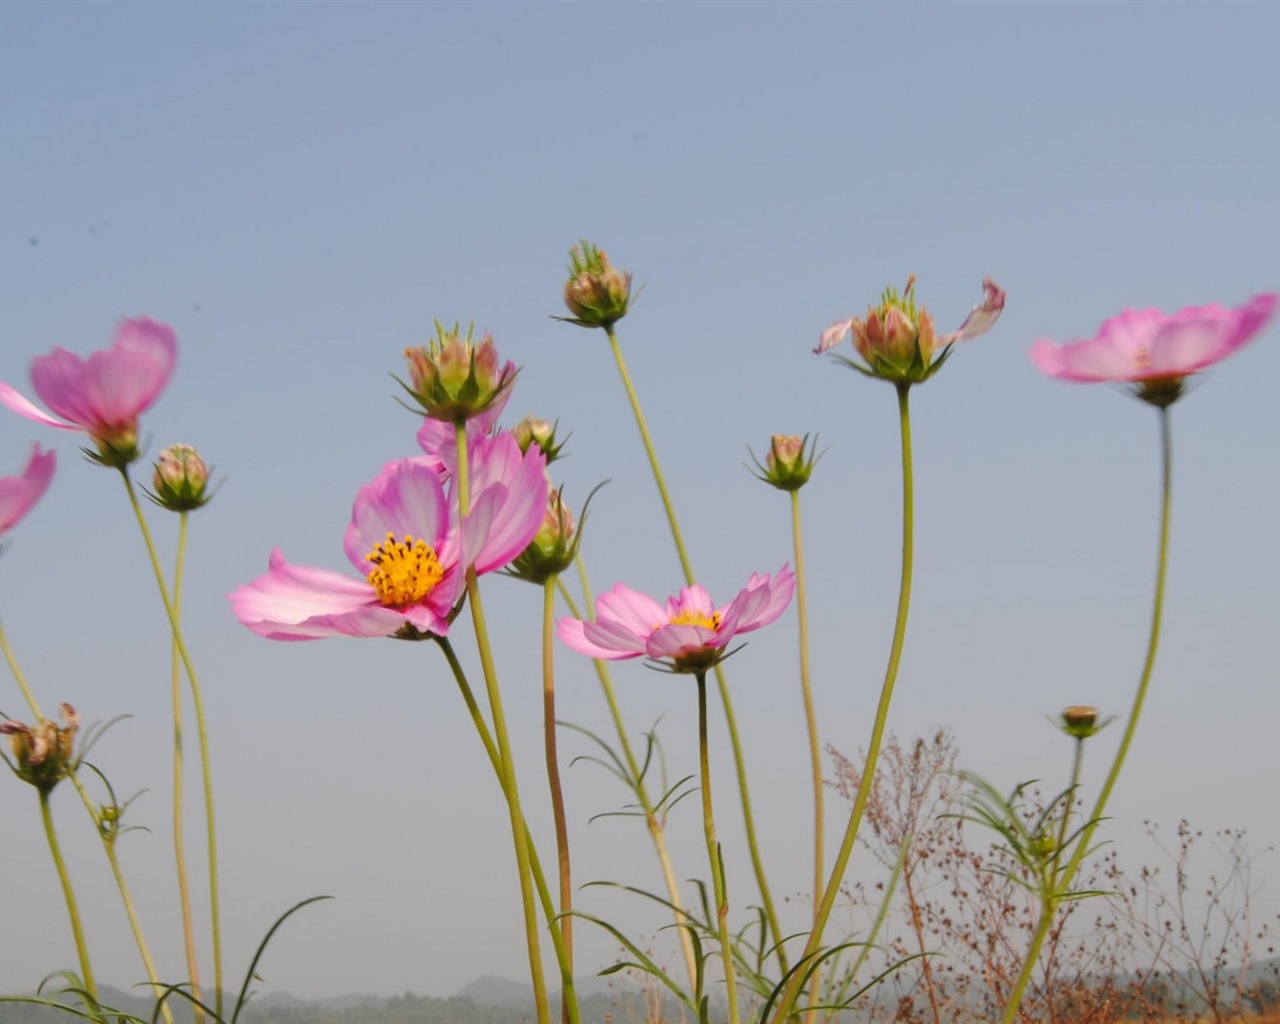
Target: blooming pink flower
<point>412,548</point>
<point>104,394</point>
<point>690,632</point>
<point>1154,351</point>
<point>19,493</point>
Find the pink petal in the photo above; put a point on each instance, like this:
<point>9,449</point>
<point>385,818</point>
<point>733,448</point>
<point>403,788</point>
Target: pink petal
<point>114,385</point>
<point>572,633</point>
<point>981,317</point>
<point>19,493</point>
<point>691,600</point>
<point>632,611</point>
<point>833,335</point>
<point>678,639</point>
<point>405,499</point>
<point>18,403</point>
<point>521,485</point>
<point>293,602</point>
<point>762,601</point>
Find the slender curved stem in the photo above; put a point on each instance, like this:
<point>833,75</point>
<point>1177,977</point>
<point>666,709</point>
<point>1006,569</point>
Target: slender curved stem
<point>655,822</point>
<point>179,838</point>
<point>735,742</point>
<point>519,834</point>
<point>553,774</point>
<point>202,730</point>
<point>108,844</point>
<point>82,951</point>
<point>815,742</point>
<point>539,879</point>
<point>713,852</point>
<point>787,1002</point>
<point>1082,846</point>
<point>18,674</point>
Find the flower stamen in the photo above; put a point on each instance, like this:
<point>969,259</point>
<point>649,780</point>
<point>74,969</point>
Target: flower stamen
<point>690,617</point>
<point>407,570</point>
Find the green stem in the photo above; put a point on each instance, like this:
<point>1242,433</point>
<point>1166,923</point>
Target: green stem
<point>179,839</point>
<point>108,844</point>
<point>815,743</point>
<point>82,951</point>
<point>787,1003</point>
<point>198,701</point>
<point>539,879</point>
<point>519,835</point>
<point>18,675</point>
<point>735,742</point>
<point>713,852</point>
<point>553,773</point>
<point>655,822</point>
<point>1082,846</point>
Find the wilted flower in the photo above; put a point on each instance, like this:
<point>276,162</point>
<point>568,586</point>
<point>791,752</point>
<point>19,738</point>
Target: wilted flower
<point>897,340</point>
<point>181,479</point>
<point>104,394</point>
<point>19,493</point>
<point>43,754</point>
<point>596,293</point>
<point>453,379</point>
<point>412,548</point>
<point>788,463</point>
<point>1153,352</point>
<point>690,634</point>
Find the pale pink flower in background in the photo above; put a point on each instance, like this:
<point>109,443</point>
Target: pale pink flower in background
<point>1145,344</point>
<point>412,549</point>
<point>19,493</point>
<point>689,633</point>
<point>104,394</point>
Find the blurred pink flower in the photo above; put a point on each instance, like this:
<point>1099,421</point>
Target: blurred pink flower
<point>104,394</point>
<point>690,633</point>
<point>405,526</point>
<point>19,493</point>
<point>1148,348</point>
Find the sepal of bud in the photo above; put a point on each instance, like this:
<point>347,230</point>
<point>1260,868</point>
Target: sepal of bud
<point>597,293</point>
<point>453,379</point>
<point>180,482</point>
<point>531,430</point>
<point>788,463</point>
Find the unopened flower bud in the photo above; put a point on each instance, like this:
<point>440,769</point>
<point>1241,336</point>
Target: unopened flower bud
<point>43,754</point>
<point>897,341</point>
<point>181,479</point>
<point>530,431</point>
<point>788,462</point>
<point>596,293</point>
<point>453,379</point>
<point>1081,721</point>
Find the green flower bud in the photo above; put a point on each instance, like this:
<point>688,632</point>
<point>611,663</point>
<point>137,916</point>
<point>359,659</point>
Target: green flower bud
<point>453,379</point>
<point>181,479</point>
<point>596,293</point>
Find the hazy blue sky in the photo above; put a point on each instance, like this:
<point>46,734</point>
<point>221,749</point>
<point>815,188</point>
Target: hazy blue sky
<point>299,189</point>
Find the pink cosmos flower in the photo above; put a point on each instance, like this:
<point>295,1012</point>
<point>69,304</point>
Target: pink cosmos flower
<point>19,493</point>
<point>104,394</point>
<point>690,633</point>
<point>408,542</point>
<point>1146,348</point>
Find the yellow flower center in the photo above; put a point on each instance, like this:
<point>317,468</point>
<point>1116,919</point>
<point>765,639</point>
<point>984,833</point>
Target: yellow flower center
<point>407,570</point>
<point>692,618</point>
